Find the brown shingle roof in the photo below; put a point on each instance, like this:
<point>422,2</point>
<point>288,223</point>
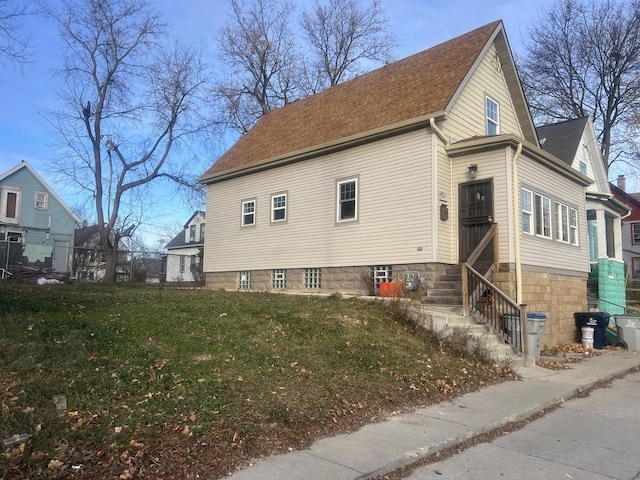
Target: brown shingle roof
<point>416,86</point>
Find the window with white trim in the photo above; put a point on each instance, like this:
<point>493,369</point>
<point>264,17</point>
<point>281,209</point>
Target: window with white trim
<point>279,278</point>
<point>182,263</point>
<point>527,211</point>
<point>248,213</point>
<point>573,226</point>
<point>41,200</point>
<point>583,168</point>
<point>542,216</point>
<point>202,232</point>
<point>347,200</point>
<point>493,116</point>
<point>562,222</point>
<point>312,278</point>
<point>244,280</point>
<point>279,207</point>
<point>192,233</point>
<point>193,263</point>
<point>10,204</point>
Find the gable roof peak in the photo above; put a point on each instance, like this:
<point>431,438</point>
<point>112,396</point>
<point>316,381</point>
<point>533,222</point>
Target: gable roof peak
<point>408,90</point>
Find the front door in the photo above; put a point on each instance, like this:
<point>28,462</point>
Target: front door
<point>476,214</point>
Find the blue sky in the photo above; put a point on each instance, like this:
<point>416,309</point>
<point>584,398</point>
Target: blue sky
<point>25,134</point>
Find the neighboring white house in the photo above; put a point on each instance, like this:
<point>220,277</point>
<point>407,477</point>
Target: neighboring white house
<point>184,252</point>
<point>575,142</point>
<point>399,174</point>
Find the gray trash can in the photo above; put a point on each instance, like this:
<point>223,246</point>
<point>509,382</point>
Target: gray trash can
<point>536,323</point>
<point>629,331</point>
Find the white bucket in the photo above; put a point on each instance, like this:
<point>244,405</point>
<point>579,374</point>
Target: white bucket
<point>587,334</point>
<point>587,338</point>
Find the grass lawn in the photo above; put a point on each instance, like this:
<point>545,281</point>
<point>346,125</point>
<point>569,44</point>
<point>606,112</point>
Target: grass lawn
<point>163,383</point>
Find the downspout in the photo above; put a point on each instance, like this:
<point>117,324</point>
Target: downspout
<point>434,187</point>
<point>516,223</point>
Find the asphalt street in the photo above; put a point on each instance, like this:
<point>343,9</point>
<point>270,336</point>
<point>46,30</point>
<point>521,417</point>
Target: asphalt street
<point>595,437</point>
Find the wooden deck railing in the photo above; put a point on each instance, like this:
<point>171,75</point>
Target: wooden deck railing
<point>482,297</point>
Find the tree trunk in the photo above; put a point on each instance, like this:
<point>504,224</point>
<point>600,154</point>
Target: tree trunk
<point>111,264</point>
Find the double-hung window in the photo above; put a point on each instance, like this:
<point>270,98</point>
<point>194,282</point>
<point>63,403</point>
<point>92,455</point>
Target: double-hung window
<point>493,116</point>
<point>279,207</point>
<point>527,211</point>
<point>347,200</point>
<point>202,232</point>
<point>635,233</point>
<point>192,233</point>
<point>543,216</point>
<point>562,223</point>
<point>41,200</point>
<point>573,226</point>
<point>248,213</point>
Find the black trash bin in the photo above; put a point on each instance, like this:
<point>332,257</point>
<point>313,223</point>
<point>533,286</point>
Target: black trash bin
<point>597,320</point>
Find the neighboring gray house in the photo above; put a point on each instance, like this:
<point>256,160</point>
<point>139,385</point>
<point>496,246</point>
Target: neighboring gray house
<point>184,252</point>
<point>575,142</point>
<point>36,226</point>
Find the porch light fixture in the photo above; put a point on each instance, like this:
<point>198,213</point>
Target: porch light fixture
<point>473,170</point>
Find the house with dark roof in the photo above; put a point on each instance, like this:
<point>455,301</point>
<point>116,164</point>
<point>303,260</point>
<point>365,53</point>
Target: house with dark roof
<point>184,252</point>
<point>406,174</point>
<point>575,142</point>
<point>630,228</point>
<point>36,226</point>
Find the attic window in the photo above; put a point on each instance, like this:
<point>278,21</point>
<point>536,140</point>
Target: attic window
<point>41,200</point>
<point>10,205</point>
<point>493,116</point>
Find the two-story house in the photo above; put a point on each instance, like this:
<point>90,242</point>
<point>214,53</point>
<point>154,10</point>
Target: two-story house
<point>184,252</point>
<point>401,174</point>
<point>36,226</point>
<point>575,143</point>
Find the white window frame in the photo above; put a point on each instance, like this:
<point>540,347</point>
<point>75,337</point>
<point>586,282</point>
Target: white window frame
<point>244,280</point>
<point>542,209</point>
<point>379,274</point>
<point>340,201</point>
<point>280,208</point>
<point>182,263</point>
<point>583,168</point>
<point>249,208</point>
<point>4,204</point>
<point>527,213</point>
<point>492,122</point>
<point>43,203</point>
<point>562,222</point>
<point>192,232</point>
<point>202,232</point>
<point>573,226</point>
<point>312,278</point>
<point>279,278</point>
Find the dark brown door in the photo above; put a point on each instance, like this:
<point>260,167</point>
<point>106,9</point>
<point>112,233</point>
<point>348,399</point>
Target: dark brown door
<point>476,214</point>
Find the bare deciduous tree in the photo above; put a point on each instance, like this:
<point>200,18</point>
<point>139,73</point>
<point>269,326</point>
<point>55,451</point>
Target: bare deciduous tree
<point>13,44</point>
<point>342,34</point>
<point>127,103</point>
<point>584,59</point>
<point>258,45</point>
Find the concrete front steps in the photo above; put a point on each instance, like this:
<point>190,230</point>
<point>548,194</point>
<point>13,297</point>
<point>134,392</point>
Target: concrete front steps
<point>444,319</point>
<point>447,289</point>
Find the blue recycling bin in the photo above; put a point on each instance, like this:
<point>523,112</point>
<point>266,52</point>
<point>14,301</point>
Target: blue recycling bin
<point>598,321</point>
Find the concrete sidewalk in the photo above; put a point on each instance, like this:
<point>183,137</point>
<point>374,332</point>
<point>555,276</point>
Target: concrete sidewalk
<point>402,439</point>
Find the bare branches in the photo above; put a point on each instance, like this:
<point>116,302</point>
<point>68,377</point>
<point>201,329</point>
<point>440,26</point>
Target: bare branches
<point>129,99</point>
<point>342,34</point>
<point>584,59</point>
<point>14,46</point>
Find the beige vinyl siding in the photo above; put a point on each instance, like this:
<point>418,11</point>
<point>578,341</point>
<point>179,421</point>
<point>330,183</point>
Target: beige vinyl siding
<point>394,211</point>
<point>543,252</point>
<point>467,117</point>
<point>446,229</point>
